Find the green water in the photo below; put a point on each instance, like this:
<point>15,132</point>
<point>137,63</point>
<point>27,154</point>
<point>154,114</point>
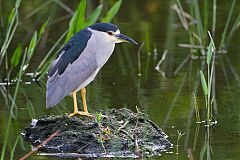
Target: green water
<point>167,101</point>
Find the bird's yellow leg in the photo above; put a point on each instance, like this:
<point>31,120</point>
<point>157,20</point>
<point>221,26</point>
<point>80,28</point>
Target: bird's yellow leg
<point>76,112</point>
<point>83,93</point>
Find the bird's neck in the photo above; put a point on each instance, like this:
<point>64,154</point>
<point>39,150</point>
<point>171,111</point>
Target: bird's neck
<point>103,48</point>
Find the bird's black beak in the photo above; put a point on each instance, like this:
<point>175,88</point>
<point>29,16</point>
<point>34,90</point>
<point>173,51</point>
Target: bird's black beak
<point>125,38</point>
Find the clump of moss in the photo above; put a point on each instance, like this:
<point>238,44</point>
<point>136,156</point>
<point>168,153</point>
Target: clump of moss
<point>113,133</point>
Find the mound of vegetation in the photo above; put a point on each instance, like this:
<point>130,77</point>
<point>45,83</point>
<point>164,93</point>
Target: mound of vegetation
<point>113,133</point>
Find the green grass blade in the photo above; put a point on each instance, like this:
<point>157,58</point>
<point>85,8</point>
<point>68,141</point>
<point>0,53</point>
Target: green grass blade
<point>210,36</point>
<point>98,117</point>
<point>199,20</point>
<point>14,148</point>
<point>10,17</point>
<point>63,5</point>
<point>235,26</point>
<point>203,151</point>
<point>42,30</point>
<point>6,137</point>
<point>223,39</point>
<point>17,4</point>
<point>81,10</point>
<point>77,21</point>
<point>93,17</point>
<point>181,15</point>
<point>71,28</point>
<point>209,53</point>
<point>21,72</point>
<point>11,28</point>
<point>205,16</point>
<point>148,43</point>
<point>204,84</point>
<point>32,45</point>
<point>112,12</point>
<point>214,17</point>
<point>16,55</point>
<point>50,52</point>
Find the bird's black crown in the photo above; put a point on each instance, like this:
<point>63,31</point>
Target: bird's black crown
<point>104,27</point>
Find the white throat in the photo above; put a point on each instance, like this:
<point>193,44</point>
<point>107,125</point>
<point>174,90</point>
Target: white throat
<point>104,46</point>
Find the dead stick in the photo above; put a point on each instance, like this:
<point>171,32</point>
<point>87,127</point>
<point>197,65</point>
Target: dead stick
<point>126,133</point>
<point>123,126</point>
<point>40,145</point>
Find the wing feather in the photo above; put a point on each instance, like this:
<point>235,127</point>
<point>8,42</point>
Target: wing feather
<point>71,69</point>
<point>70,52</point>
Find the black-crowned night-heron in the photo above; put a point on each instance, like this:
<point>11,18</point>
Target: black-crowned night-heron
<point>79,61</point>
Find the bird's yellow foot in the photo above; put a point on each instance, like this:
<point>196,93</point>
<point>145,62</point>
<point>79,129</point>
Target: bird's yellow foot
<point>81,114</point>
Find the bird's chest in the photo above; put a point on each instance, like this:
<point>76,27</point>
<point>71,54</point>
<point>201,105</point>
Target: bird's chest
<point>102,51</point>
<point>104,54</point>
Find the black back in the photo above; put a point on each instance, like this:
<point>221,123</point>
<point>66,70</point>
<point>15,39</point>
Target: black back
<point>70,52</point>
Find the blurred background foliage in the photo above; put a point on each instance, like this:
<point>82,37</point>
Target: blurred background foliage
<point>160,77</point>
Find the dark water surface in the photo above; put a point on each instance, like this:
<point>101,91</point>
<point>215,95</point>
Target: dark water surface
<point>167,101</point>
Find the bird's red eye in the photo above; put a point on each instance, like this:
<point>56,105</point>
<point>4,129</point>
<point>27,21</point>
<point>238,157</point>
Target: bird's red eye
<point>110,33</point>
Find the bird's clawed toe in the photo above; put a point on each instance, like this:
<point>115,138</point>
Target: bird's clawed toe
<point>81,114</point>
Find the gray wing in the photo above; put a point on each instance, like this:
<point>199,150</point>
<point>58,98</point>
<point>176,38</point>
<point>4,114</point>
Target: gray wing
<point>78,74</point>
<point>71,69</point>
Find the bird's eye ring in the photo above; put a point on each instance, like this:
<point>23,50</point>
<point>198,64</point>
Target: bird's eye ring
<point>110,33</point>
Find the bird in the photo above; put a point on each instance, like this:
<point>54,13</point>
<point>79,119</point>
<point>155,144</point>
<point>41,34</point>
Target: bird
<point>79,61</point>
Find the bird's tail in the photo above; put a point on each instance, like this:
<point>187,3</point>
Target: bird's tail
<point>54,95</point>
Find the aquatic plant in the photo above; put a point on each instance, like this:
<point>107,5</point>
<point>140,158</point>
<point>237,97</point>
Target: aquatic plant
<point>197,115</point>
<point>13,20</point>
<point>179,136</point>
<point>196,24</point>
<point>207,84</point>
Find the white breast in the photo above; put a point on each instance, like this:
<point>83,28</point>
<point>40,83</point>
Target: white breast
<point>103,45</point>
<point>100,48</point>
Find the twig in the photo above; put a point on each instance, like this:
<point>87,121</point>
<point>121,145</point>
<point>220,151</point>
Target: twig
<point>160,62</point>
<point>40,145</point>
<point>182,18</point>
<point>183,45</point>
<point>126,133</point>
<point>121,127</point>
<point>44,5</point>
<point>124,125</point>
<point>64,6</point>
<point>181,65</point>
<point>139,59</point>
<point>137,150</point>
<point>185,14</point>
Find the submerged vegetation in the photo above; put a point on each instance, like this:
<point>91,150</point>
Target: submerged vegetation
<point>207,84</point>
<point>185,70</point>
